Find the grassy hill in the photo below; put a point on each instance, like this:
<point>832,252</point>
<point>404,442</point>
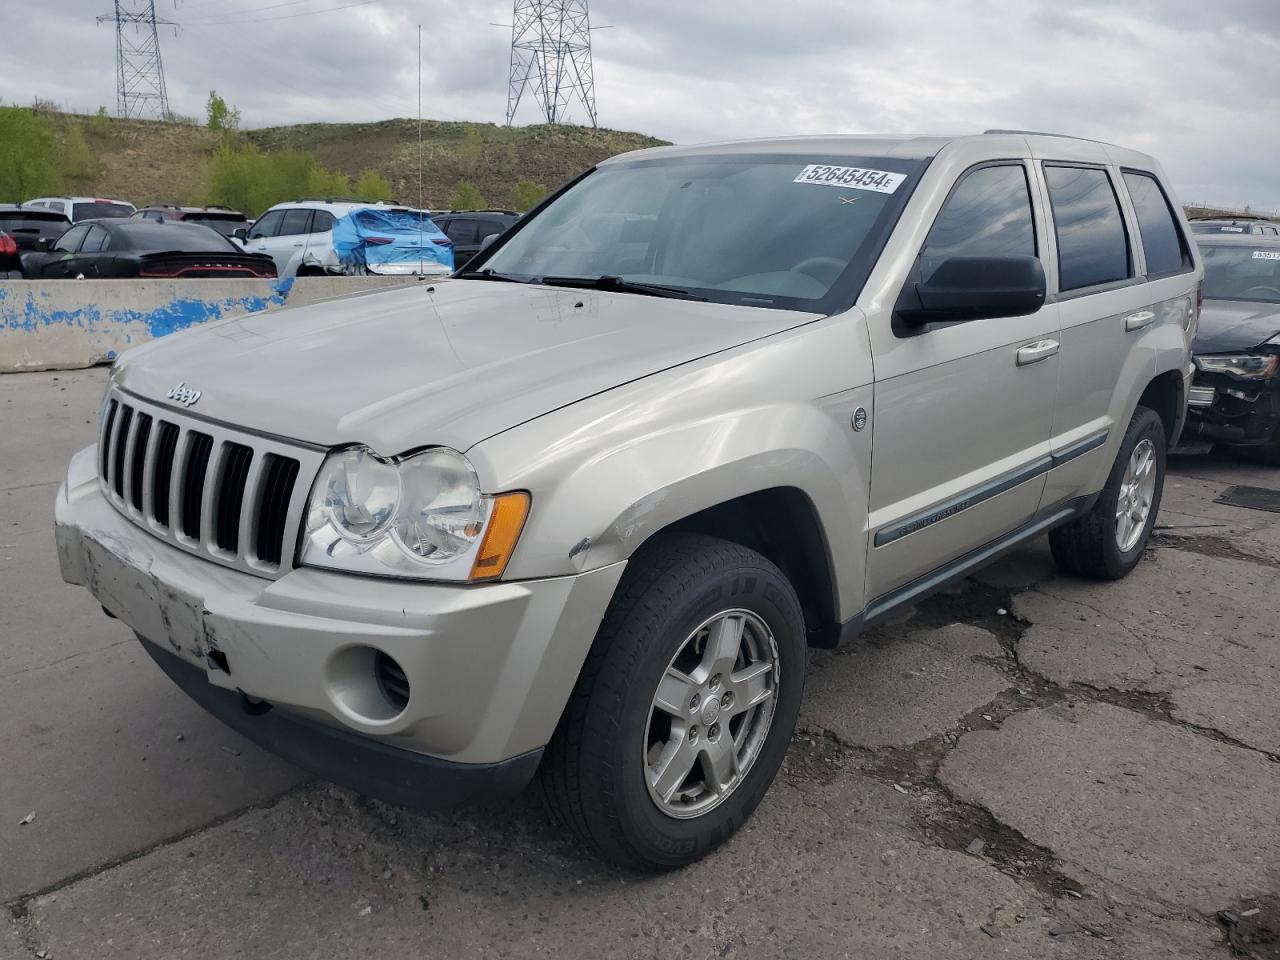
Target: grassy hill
<point>147,161</point>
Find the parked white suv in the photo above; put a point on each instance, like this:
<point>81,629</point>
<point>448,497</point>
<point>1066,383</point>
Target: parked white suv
<point>84,208</point>
<point>579,510</point>
<point>298,236</point>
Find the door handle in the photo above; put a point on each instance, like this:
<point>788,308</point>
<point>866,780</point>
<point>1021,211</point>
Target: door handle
<point>1035,352</point>
<point>1136,321</point>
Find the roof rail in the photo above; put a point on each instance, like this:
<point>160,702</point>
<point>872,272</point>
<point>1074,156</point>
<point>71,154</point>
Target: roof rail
<point>508,213</point>
<point>1232,217</point>
<point>372,203</point>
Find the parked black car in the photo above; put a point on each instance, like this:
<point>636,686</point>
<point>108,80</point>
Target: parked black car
<point>1235,398</point>
<point>137,248</point>
<point>10,265</point>
<point>468,229</point>
<point>1253,226</point>
<point>26,225</point>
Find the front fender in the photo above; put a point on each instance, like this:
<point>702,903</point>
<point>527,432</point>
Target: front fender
<point>609,472</point>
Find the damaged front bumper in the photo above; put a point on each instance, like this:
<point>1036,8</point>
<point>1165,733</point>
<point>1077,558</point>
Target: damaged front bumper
<point>1229,410</point>
<point>291,662</point>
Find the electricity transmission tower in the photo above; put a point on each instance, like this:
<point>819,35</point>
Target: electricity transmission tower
<point>551,51</point>
<point>140,88</point>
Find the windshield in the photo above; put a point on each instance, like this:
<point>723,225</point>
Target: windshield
<point>1242,273</point>
<point>775,231</point>
<point>99,210</point>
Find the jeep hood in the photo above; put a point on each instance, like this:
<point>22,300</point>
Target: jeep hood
<point>448,364</point>
<point>1227,326</point>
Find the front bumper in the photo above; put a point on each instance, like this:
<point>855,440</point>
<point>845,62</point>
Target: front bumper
<point>489,667</point>
<point>1223,409</point>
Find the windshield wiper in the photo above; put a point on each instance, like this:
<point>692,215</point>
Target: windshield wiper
<point>619,285</point>
<point>487,273</point>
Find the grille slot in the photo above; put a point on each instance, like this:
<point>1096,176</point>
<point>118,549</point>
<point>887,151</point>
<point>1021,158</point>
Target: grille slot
<point>162,475</point>
<point>137,465</point>
<point>279,476</point>
<point>199,447</point>
<point>121,445</point>
<point>105,445</point>
<point>236,458</point>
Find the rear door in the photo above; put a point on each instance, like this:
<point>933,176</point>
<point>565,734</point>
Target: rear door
<point>962,411</point>
<point>92,260</point>
<point>463,231</point>
<point>319,240</point>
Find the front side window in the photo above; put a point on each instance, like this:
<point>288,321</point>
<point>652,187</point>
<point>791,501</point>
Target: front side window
<point>1162,240</point>
<point>69,242</point>
<point>988,214</point>
<point>1093,247</point>
<point>461,231</point>
<point>267,226</point>
<point>1241,272</point>
<point>487,228</point>
<point>771,230</point>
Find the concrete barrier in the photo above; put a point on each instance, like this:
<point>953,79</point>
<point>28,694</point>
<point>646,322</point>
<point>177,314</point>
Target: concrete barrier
<point>68,324</point>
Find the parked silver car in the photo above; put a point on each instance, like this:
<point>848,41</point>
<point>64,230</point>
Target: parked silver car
<point>579,511</point>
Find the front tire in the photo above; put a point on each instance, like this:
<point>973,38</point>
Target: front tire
<point>1108,541</point>
<point>685,706</point>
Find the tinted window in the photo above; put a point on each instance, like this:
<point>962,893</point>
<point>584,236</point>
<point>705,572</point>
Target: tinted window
<point>171,236</point>
<point>268,226</point>
<point>1239,272</point>
<point>1161,239</point>
<point>987,215</point>
<point>1092,245</point>
<point>57,205</point>
<point>295,222</point>
<point>70,240</point>
<point>28,226</point>
<point>461,231</point>
<point>488,228</point>
<point>95,241</point>
<point>100,209</point>
<point>321,220</point>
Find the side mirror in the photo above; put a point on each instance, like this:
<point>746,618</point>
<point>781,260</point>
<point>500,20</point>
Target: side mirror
<point>240,233</point>
<point>488,242</point>
<point>974,288</point>
<point>42,245</point>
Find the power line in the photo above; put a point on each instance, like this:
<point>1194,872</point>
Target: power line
<point>140,89</point>
<point>218,21</point>
<point>551,51</point>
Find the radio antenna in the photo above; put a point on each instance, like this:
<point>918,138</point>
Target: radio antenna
<point>422,232</point>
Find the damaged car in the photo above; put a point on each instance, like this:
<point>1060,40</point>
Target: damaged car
<point>1235,398</point>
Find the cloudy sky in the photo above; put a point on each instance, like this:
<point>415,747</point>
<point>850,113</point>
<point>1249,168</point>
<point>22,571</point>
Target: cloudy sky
<point>1197,83</point>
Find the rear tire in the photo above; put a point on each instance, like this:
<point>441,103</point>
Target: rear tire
<point>632,719</point>
<point>1096,545</point>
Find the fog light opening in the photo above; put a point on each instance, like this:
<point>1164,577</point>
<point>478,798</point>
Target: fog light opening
<point>391,680</point>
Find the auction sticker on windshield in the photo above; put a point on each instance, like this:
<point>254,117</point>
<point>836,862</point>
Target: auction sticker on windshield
<point>856,178</point>
<point>1266,255</point>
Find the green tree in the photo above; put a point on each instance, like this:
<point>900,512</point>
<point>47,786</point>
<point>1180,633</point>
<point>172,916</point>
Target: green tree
<point>526,195</point>
<point>221,117</point>
<point>80,164</point>
<point>243,177</point>
<point>372,185</point>
<point>467,196</point>
<point>28,156</point>
<point>100,125</point>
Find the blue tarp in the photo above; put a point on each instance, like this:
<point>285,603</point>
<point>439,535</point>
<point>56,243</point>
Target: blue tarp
<point>373,238</point>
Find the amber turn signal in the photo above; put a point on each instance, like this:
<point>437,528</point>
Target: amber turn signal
<point>505,523</point>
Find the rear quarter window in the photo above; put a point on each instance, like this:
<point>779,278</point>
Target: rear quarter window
<point>1093,247</point>
<point>1162,239</point>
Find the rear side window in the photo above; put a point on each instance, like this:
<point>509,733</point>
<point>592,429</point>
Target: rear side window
<point>321,220</point>
<point>96,240</point>
<point>1162,241</point>
<point>987,215</point>
<point>295,222</point>
<point>1093,247</point>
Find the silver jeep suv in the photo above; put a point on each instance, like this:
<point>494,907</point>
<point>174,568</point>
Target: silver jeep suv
<point>578,511</point>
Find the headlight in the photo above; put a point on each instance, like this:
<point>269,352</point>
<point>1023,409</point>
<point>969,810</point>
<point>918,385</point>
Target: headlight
<point>1249,366</point>
<point>422,516</point>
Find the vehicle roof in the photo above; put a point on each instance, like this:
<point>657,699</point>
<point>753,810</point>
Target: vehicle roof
<point>906,147</point>
<point>33,211</point>
<point>80,200</point>
<point>1237,239</point>
<point>173,207</point>
<point>342,206</point>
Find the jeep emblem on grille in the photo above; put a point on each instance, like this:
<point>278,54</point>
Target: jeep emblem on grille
<point>183,394</point>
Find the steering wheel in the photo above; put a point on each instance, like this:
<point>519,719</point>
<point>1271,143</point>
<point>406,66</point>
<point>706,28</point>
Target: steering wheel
<point>1265,289</point>
<point>823,269</point>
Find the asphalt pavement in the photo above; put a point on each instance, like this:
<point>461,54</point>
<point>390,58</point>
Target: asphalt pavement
<point>1026,766</point>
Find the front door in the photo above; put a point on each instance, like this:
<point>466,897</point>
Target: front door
<point>963,411</point>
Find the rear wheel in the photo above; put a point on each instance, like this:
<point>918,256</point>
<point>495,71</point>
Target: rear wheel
<point>685,706</point>
<point>1108,541</point>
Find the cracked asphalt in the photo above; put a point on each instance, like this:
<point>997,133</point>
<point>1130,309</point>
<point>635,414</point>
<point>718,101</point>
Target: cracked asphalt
<point>1027,766</point>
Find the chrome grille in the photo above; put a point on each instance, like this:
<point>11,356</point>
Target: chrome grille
<point>227,495</point>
